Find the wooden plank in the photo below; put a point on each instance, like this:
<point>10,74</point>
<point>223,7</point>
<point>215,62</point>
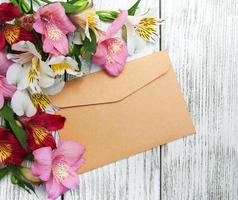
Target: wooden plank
<point>9,191</point>
<point>135,178</point>
<point>203,44</point>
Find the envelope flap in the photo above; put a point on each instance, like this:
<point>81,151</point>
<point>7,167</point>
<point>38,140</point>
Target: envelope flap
<point>99,88</point>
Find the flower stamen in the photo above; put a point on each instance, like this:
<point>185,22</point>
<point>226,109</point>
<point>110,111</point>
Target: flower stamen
<point>60,171</point>
<point>39,134</point>
<point>53,32</point>
<point>147,28</point>
<point>60,67</point>
<point>5,152</point>
<point>12,33</point>
<point>41,100</point>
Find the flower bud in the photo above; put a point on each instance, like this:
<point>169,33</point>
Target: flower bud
<point>83,5</point>
<point>26,172</point>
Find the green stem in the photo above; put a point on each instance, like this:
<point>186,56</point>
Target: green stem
<point>46,1</point>
<point>31,2</point>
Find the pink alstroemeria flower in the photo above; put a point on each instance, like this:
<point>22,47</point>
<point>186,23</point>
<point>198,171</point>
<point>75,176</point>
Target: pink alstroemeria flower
<point>58,167</point>
<point>4,63</point>
<point>6,90</point>
<point>111,53</point>
<point>52,22</point>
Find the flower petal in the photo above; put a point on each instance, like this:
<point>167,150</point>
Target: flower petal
<point>26,46</point>
<point>11,150</point>
<point>113,68</point>
<point>1,100</point>
<point>22,104</point>
<point>38,137</point>
<point>45,81</point>
<point>71,181</point>
<point>134,42</point>
<point>116,25</point>
<point>4,63</point>
<point>21,58</point>
<point>48,45</point>
<point>2,41</point>
<point>78,164</point>
<point>17,75</point>
<point>100,56</point>
<point>6,89</point>
<point>54,189</point>
<point>8,12</point>
<point>48,121</point>
<point>71,150</point>
<point>42,163</point>
<point>56,60</point>
<point>55,88</point>
<point>62,45</point>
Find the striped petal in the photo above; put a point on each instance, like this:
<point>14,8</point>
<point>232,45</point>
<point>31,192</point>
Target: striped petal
<point>11,151</point>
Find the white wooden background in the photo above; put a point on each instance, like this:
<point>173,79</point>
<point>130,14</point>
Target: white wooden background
<point>202,39</point>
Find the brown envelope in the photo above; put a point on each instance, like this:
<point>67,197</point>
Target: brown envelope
<point>115,118</point>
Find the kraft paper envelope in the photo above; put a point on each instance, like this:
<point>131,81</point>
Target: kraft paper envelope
<point>115,118</point>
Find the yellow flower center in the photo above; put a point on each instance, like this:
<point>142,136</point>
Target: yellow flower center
<point>91,20</point>
<point>60,67</point>
<point>5,152</point>
<point>39,134</point>
<point>12,33</point>
<point>40,100</point>
<point>33,73</point>
<point>147,28</point>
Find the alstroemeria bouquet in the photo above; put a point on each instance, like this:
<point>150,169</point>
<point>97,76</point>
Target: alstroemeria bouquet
<point>41,42</point>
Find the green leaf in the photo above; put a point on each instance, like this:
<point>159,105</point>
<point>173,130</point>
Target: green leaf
<point>3,172</point>
<point>78,61</point>
<point>133,9</point>
<point>82,4</point>
<point>89,47</point>
<point>18,179</point>
<point>69,8</point>
<point>7,113</point>
<point>77,49</point>
<point>106,15</point>
<point>46,1</point>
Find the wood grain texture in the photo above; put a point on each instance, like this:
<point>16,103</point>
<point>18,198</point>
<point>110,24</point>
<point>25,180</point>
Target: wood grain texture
<point>203,44</point>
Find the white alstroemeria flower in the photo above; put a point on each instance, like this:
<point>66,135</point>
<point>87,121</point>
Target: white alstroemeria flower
<point>32,76</point>
<point>60,64</point>
<point>140,30</point>
<point>88,19</point>
<point>25,103</point>
<point>28,69</point>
